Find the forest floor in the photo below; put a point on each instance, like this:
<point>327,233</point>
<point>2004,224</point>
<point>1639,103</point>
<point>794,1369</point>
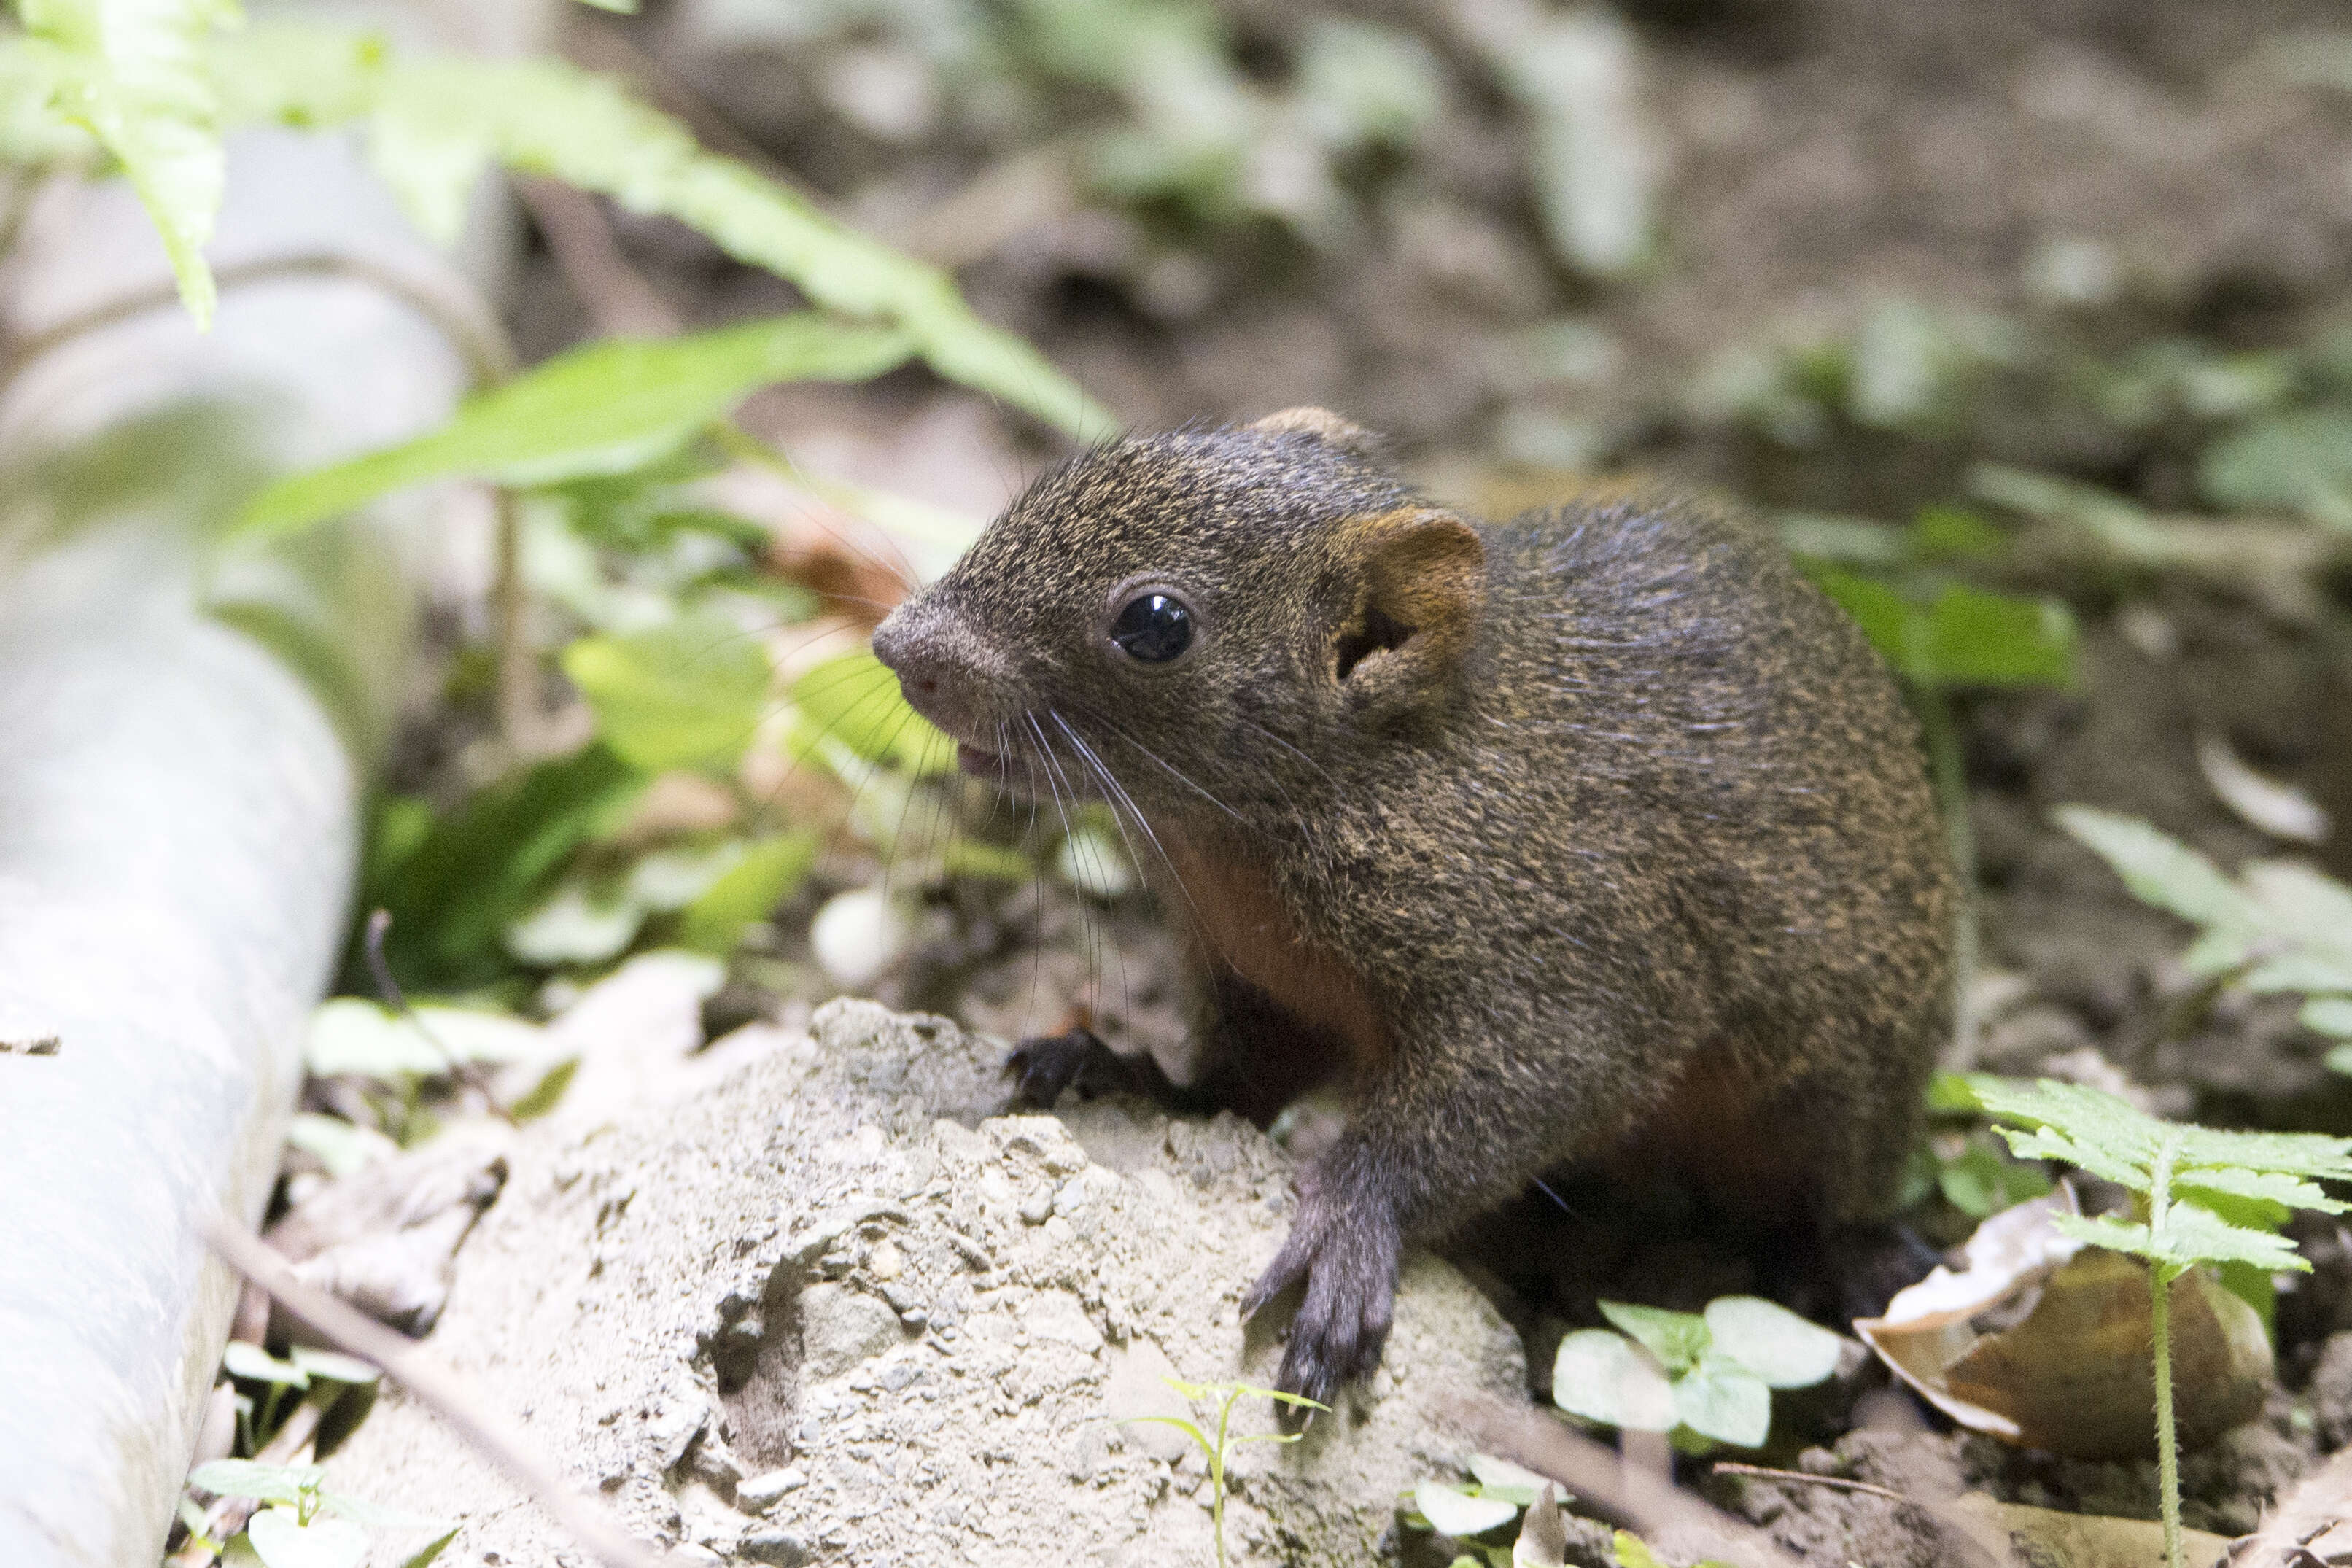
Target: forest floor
<point>1905,250</point>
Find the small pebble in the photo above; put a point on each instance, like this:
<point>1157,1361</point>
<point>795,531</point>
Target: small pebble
<point>759,1493</point>
<point>779,1547</point>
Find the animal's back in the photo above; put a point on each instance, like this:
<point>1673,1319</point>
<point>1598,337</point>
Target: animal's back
<point>1710,781</point>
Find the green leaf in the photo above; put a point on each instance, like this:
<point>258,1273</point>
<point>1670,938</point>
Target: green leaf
<point>1896,629</point>
<point>296,77</point>
<point>348,1035</point>
<point>1720,1399</point>
<point>2330,1016</point>
<point>333,1367</point>
<point>1981,1182</point>
<point>1500,1477</point>
<point>770,871</point>
<point>2300,972</point>
<point>2314,1155</point>
<point>2297,461</point>
<point>2253,1175</point>
<point>686,694</point>
<point>1632,1552</point>
<point>239,1359</point>
<point>251,1478</point>
<point>1966,637</point>
<point>2043,1145</point>
<point>1365,83</point>
<point>133,73</point>
<point>438,123</point>
<point>423,1556</point>
<point>2192,1235</point>
<point>2160,870</point>
<point>1975,639</point>
<point>482,866</point>
<point>580,922</point>
<point>548,1092</point>
<point>2301,901</point>
<point>855,700</point>
<point>281,1540</point>
<point>336,1144</point>
<point>1953,534</point>
<point>1677,1339</point>
<point>1607,1378</point>
<point>2264,1187</point>
<point>1769,1340</point>
<point>607,408</point>
<point>1452,1512</point>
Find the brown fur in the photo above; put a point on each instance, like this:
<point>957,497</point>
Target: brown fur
<point>1597,833</point>
<point>1239,926</point>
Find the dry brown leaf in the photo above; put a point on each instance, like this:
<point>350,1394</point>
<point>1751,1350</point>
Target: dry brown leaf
<point>2047,1344</point>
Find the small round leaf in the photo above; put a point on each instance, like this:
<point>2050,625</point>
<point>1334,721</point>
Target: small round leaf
<point>1677,1339</point>
<point>1607,1378</point>
<point>1722,1400</point>
<point>1780,1348</point>
<point>281,1540</point>
<point>1455,1512</point>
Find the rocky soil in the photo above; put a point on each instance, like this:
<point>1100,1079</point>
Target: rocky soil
<point>830,1309</point>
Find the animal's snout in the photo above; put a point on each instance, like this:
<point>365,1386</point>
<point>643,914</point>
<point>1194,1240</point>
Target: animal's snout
<point>935,662</point>
<point>900,647</point>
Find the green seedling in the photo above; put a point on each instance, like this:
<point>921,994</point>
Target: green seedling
<point>2281,928</point>
<point>1703,1377</point>
<point>1501,1493</point>
<point>1973,1172</point>
<point>2200,1197</point>
<point>1632,1551</point>
<point>273,1387</point>
<point>1218,1450</point>
<point>302,1524</point>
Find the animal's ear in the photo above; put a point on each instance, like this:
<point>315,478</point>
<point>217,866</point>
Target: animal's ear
<point>1323,425</point>
<point>1416,578</point>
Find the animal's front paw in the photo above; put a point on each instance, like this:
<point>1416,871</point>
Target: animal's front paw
<point>1042,1066</point>
<point>1345,1246</point>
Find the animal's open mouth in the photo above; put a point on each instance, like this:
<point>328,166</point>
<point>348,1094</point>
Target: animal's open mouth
<point>982,764</point>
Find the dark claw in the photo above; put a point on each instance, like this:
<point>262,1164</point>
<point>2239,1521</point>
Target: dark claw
<point>1347,1255</point>
<point>1046,1064</point>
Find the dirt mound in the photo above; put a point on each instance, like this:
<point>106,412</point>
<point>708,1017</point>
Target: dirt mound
<point>833,1310</point>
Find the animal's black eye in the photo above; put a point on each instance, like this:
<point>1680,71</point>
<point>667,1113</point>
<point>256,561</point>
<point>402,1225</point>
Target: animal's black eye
<point>1154,627</point>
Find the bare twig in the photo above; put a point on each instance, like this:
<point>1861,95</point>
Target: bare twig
<point>351,1331</point>
<point>618,299</point>
<point>469,325</point>
<point>1765,1472</point>
<point>517,674</point>
<point>468,1073</point>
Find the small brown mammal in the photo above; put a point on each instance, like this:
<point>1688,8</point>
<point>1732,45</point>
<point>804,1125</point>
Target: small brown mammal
<point>1594,832</point>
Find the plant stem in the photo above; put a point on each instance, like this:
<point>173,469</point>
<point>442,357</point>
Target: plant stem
<point>518,667</point>
<point>1217,1474</point>
<point>2168,1444</point>
<point>2161,1277</point>
<point>1948,768</point>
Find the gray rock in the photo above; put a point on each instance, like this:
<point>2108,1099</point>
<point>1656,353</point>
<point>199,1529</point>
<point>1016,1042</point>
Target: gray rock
<point>780,1547</point>
<point>841,1326</point>
<point>746,1279</point>
<point>759,1493</point>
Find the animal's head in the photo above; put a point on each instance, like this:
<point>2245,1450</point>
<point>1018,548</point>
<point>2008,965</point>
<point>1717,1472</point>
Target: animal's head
<point>1197,615</point>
